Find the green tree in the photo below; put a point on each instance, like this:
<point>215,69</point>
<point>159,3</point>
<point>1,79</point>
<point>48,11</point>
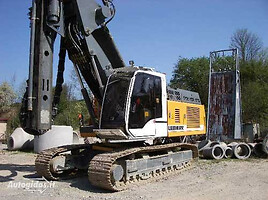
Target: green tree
<point>254,86</point>
<point>263,56</point>
<point>69,109</point>
<point>192,74</point>
<point>13,119</point>
<point>7,97</point>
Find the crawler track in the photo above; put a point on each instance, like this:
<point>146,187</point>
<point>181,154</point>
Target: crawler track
<point>100,167</point>
<point>43,161</point>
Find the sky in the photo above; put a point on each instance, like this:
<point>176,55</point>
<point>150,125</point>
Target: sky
<point>153,33</point>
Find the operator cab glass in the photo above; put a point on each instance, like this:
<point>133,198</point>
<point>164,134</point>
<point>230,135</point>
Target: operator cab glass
<point>145,101</point>
<point>113,111</point>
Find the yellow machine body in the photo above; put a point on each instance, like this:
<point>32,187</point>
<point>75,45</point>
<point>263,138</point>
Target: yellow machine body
<point>185,119</point>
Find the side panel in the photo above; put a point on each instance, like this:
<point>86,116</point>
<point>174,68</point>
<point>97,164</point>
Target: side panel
<point>147,130</point>
<point>185,119</point>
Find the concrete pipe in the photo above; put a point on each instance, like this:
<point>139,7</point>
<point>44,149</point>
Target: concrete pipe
<point>258,151</point>
<point>223,145</point>
<point>215,152</point>
<point>77,139</point>
<point>232,144</point>
<point>204,144</point>
<point>57,136</point>
<point>212,144</point>
<point>20,140</point>
<point>251,145</point>
<point>228,152</point>
<point>265,145</point>
<point>241,151</point>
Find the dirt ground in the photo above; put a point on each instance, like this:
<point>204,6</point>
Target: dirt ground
<point>205,180</point>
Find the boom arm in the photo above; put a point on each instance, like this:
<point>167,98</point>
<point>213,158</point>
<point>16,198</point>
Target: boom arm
<point>82,26</point>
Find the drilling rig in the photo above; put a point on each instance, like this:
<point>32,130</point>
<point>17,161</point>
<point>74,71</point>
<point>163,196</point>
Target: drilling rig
<point>143,124</point>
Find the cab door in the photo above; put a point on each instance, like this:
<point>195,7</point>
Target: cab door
<point>145,105</point>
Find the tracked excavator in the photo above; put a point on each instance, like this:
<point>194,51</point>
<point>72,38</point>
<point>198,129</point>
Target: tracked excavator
<point>143,124</point>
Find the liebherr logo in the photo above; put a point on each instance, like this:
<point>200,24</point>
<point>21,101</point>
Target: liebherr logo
<point>175,128</point>
<point>33,186</point>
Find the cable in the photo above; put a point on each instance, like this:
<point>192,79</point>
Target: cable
<point>113,11</point>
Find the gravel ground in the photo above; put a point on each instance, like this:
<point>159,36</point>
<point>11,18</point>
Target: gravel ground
<point>205,180</point>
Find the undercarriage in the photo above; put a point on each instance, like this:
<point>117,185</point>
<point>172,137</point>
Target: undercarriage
<point>115,168</point>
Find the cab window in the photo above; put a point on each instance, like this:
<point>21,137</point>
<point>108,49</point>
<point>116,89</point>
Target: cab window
<point>146,100</point>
